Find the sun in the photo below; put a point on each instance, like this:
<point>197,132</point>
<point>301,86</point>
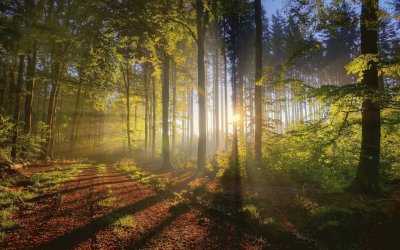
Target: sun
<point>236,117</point>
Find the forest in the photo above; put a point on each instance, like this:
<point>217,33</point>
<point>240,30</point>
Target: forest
<point>199,124</point>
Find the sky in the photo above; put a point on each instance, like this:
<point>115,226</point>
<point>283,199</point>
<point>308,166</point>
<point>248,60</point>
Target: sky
<point>272,5</point>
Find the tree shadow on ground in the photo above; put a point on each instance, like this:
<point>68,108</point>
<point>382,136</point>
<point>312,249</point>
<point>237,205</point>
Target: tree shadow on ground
<point>75,237</point>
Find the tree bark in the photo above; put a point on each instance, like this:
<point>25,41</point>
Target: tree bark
<point>216,97</point>
<point>153,142</point>
<point>165,106</point>
<point>173,108</point>
<point>226,98</point>
<point>128,108</point>
<point>30,85</point>
<point>368,168</point>
<point>146,112</point>
<point>72,141</point>
<point>258,87</point>
<point>201,153</point>
<point>17,111</point>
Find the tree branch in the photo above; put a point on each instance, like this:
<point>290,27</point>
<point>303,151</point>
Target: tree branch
<point>186,26</point>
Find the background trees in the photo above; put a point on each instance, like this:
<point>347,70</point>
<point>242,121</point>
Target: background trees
<point>155,78</point>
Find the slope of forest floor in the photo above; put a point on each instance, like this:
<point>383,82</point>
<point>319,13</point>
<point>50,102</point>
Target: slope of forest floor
<point>118,206</point>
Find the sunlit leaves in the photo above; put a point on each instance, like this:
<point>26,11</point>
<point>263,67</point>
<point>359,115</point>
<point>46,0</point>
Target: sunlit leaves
<point>361,64</point>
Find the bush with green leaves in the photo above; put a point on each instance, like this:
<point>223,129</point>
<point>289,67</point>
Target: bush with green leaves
<point>5,139</point>
<point>28,146</point>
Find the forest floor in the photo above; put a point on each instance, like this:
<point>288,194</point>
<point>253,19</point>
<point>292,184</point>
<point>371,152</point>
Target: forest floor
<point>98,206</point>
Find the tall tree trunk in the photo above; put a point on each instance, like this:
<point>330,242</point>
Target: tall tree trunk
<point>30,85</point>
<point>51,119</point>
<point>153,142</point>
<point>17,111</point>
<point>258,87</point>
<point>368,169</point>
<point>201,154</point>
<point>79,121</point>
<point>3,82</point>
<point>56,72</point>
<point>191,125</point>
<point>216,97</point>
<point>13,87</point>
<point>173,108</point>
<point>45,93</point>
<point>146,111</point>
<point>128,108</point>
<point>226,98</point>
<point>74,120</point>
<point>165,106</point>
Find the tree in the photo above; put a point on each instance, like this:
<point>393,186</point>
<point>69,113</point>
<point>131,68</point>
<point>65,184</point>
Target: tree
<point>366,179</point>
<point>201,29</point>
<point>165,110</point>
<point>17,111</point>
<point>258,77</point>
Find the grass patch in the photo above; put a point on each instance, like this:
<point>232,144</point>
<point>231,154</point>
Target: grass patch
<point>101,169</point>
<point>122,224</point>
<point>110,201</point>
<point>127,221</point>
<point>131,169</point>
<point>43,182</point>
<point>20,189</point>
<point>251,212</point>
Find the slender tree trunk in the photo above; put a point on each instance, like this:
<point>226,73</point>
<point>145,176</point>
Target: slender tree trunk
<point>56,72</point>
<point>128,109</point>
<point>79,121</point>
<point>173,109</point>
<point>165,106</point>
<point>226,98</point>
<point>153,142</point>
<point>258,87</point>
<point>191,125</point>
<point>51,119</point>
<point>13,87</point>
<point>216,98</point>
<point>46,86</point>
<point>368,169</point>
<point>201,154</point>
<point>17,111</point>
<point>30,85</point>
<point>146,112</point>
<point>3,82</point>
<point>74,119</point>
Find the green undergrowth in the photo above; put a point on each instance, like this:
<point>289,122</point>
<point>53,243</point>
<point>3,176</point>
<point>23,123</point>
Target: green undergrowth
<point>109,201</point>
<point>101,169</point>
<point>131,169</point>
<point>20,190</point>
<point>122,224</point>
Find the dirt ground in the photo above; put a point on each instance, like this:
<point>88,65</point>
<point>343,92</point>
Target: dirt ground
<point>84,214</point>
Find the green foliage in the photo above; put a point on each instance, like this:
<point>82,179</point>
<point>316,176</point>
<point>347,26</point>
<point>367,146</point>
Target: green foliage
<point>20,190</point>
<point>101,169</point>
<point>122,224</point>
<point>28,146</point>
<point>127,221</point>
<point>109,201</point>
<point>222,163</point>
<point>309,159</point>
<point>251,211</point>
<point>131,169</point>
<point>325,152</point>
<point>43,182</point>
<point>360,64</point>
<point>6,127</point>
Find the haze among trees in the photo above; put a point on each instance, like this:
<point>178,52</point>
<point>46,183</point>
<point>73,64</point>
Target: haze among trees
<point>276,127</point>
